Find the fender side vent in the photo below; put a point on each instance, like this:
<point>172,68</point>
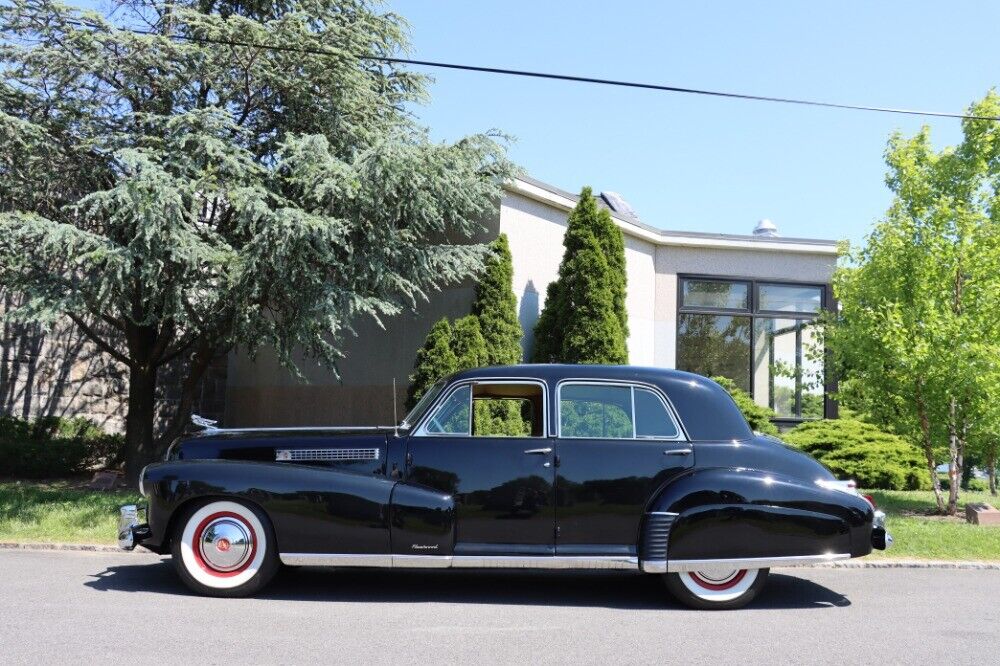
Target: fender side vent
<point>325,455</point>
<point>656,535</point>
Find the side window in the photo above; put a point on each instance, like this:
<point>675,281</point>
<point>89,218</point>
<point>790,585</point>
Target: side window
<point>484,409</point>
<point>651,416</point>
<point>508,409</point>
<point>591,410</point>
<point>454,416</point>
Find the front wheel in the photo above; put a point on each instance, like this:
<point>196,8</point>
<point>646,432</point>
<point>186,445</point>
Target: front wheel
<point>716,590</point>
<point>224,549</point>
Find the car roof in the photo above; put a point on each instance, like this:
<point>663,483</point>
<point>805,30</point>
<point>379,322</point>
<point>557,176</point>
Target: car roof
<point>555,372</point>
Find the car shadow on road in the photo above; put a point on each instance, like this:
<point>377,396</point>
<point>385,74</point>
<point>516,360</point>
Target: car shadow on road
<point>621,590</point>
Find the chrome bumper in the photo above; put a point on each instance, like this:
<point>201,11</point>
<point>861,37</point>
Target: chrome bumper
<point>131,531</point>
<point>881,539</point>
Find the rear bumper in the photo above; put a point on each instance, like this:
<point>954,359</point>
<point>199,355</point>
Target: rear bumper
<point>131,530</point>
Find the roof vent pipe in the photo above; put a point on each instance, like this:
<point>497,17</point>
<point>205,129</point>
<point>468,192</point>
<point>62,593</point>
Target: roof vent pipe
<point>765,229</point>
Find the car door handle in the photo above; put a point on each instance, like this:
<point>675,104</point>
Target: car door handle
<point>677,452</point>
<point>539,452</point>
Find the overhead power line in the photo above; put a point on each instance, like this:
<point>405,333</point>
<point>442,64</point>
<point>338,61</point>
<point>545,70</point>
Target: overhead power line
<point>557,77</point>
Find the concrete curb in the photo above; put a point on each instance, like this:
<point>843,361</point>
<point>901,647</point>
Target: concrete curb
<point>849,564</point>
<point>91,547</point>
<point>911,564</point>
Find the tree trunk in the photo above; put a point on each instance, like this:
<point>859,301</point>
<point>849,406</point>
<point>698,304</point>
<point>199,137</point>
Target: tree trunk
<point>991,467</point>
<point>199,363</point>
<point>139,441</point>
<point>954,460</point>
<point>925,433</point>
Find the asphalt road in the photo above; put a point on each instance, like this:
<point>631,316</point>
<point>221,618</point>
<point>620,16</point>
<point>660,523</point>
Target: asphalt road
<point>108,608</point>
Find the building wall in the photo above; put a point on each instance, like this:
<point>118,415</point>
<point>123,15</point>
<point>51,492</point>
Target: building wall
<point>58,371</point>
<point>261,392</point>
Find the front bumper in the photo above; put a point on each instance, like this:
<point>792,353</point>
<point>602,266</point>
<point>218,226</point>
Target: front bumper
<point>881,539</point>
<point>131,530</point>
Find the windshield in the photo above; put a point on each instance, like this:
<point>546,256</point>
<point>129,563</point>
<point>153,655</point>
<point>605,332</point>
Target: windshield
<point>422,405</point>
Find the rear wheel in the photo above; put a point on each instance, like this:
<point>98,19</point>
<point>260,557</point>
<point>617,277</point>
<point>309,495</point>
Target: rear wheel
<point>224,549</point>
<point>716,589</point>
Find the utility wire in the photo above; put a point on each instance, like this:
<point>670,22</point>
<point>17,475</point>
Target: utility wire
<point>552,76</point>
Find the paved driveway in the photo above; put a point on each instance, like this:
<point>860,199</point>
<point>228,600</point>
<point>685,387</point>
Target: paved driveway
<point>111,608</point>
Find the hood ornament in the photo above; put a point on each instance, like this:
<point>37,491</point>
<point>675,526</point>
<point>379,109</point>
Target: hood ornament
<point>202,422</point>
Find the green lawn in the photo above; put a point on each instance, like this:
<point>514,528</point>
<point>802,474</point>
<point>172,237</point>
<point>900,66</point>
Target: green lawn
<point>59,512</point>
<point>63,512</point>
<point>919,535</point>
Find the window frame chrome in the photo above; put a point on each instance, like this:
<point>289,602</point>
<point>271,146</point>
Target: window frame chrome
<point>421,429</point>
<point>682,435</point>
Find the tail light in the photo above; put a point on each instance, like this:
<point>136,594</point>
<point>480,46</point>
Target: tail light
<point>871,500</point>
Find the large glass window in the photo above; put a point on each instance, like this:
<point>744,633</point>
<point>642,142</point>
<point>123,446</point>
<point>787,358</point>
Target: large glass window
<point>716,294</point>
<point>789,298</point>
<point>715,345</point>
<point>736,334</point>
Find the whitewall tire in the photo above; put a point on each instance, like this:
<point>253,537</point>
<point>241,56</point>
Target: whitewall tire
<point>716,589</point>
<point>224,548</point>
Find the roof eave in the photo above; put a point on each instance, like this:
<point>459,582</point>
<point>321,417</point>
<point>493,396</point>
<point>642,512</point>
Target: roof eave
<point>565,201</point>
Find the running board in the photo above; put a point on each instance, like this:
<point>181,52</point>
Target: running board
<point>676,566</point>
<point>460,561</point>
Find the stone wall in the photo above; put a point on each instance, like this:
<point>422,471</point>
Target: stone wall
<point>58,371</point>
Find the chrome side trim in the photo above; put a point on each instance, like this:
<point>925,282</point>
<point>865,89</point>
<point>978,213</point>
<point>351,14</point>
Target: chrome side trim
<point>544,562</point>
<point>333,560</point>
<point>459,561</point>
<point>654,566</point>
<point>674,566</point>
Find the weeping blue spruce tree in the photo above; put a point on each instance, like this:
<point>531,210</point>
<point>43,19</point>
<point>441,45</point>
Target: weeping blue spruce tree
<point>186,190</point>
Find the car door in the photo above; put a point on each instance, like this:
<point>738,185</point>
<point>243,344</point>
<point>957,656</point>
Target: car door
<point>502,478</point>
<point>618,444</point>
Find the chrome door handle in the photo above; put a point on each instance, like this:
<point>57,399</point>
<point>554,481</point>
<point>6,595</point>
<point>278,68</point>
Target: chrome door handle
<point>677,452</point>
<point>539,452</point>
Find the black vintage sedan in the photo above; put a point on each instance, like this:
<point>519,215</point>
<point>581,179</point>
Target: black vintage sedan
<point>532,466</point>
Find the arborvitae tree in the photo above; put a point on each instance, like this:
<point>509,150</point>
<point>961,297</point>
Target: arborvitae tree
<point>547,338</point>
<point>496,306</point>
<point>434,361</point>
<point>613,243</point>
<point>584,316</point>
<point>468,344</point>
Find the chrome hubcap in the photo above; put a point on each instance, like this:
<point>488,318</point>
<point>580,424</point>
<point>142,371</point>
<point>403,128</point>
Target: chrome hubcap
<point>225,544</point>
<point>717,577</point>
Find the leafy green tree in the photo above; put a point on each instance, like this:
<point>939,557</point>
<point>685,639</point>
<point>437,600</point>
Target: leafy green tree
<point>496,306</point>
<point>917,328</point>
<point>582,321</point>
<point>435,360</point>
<point>758,416</point>
<point>177,197</point>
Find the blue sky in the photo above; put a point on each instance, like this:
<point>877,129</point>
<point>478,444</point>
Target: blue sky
<point>699,163</point>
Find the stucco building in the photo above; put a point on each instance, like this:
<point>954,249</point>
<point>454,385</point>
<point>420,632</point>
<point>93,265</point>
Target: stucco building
<point>717,304</point>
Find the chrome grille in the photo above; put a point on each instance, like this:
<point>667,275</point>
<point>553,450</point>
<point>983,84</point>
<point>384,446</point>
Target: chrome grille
<point>325,455</point>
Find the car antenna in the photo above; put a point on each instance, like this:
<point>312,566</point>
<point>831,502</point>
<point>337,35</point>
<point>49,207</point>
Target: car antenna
<point>395,416</point>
